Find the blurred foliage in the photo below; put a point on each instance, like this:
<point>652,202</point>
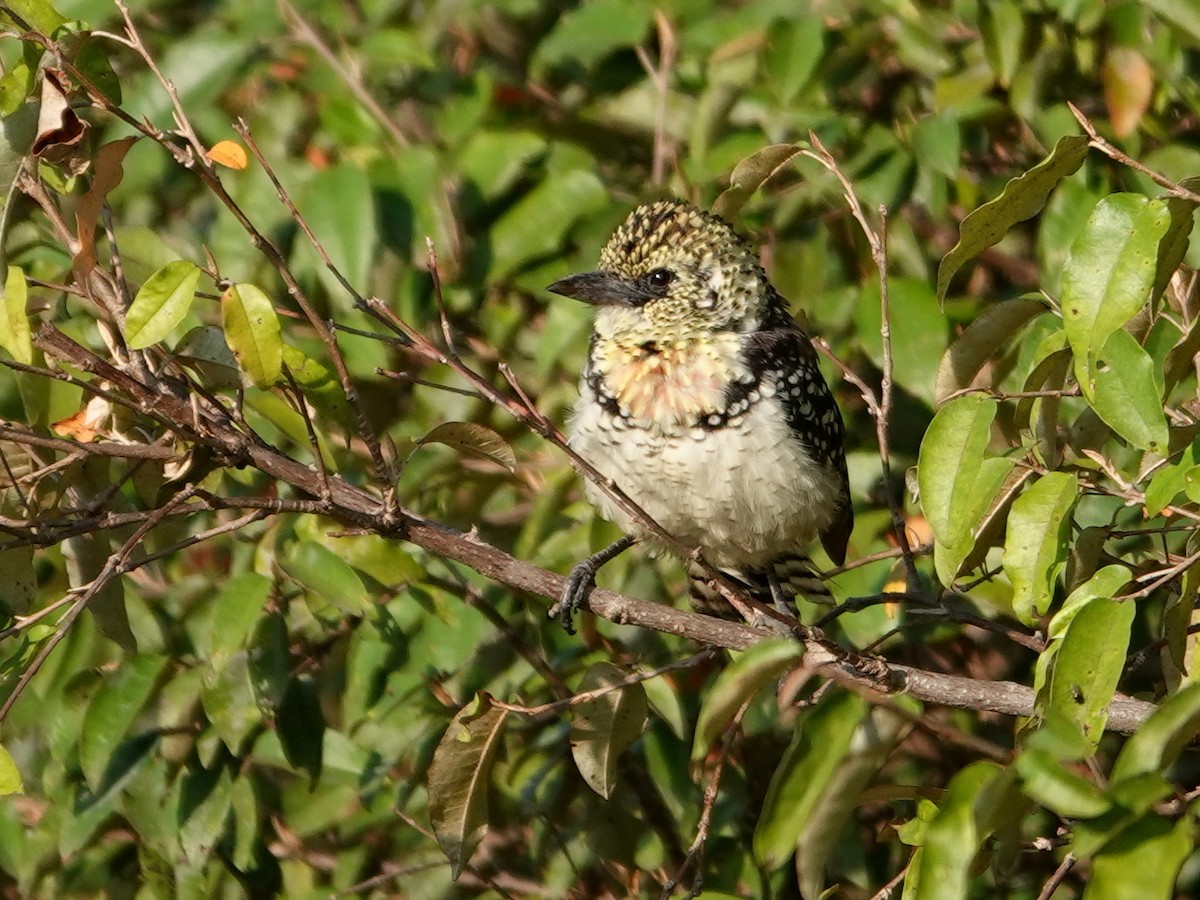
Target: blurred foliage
<point>294,708</point>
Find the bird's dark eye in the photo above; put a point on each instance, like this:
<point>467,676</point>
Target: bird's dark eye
<point>660,278</point>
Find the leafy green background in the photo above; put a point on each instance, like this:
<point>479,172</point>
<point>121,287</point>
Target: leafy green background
<point>262,713</point>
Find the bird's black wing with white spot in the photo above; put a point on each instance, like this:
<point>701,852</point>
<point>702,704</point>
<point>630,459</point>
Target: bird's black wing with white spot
<point>781,355</point>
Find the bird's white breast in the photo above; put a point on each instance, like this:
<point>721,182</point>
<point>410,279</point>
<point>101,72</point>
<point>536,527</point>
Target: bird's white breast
<point>743,493</point>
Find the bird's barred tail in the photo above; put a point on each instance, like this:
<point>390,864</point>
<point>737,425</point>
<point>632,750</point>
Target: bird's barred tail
<point>795,574</point>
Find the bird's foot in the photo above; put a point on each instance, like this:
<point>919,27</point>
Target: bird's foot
<point>581,581</point>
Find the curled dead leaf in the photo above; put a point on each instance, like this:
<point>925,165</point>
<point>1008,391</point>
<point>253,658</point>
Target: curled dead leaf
<point>60,139</point>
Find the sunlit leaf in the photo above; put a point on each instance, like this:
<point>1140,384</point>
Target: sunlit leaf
<point>1035,548</point>
<point>1125,392</point>
<point>15,336</point>
<point>252,332</point>
<point>1154,848</point>
<point>1109,273</point>
<point>1023,198</point>
<point>475,439</point>
<point>752,173</point>
<point>230,154</point>
<point>10,777</point>
<point>161,304</point>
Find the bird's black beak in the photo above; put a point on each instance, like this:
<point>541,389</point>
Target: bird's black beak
<point>599,289</point>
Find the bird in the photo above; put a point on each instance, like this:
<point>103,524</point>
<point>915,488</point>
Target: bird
<point>702,400</point>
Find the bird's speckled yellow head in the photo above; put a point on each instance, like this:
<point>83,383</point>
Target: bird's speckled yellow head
<point>673,272</point>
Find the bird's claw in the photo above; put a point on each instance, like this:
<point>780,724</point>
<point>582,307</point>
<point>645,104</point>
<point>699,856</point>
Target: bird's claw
<point>579,584</point>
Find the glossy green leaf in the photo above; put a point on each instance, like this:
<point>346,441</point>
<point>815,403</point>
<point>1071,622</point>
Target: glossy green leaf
<point>1173,247</point>
<point>603,728</point>
<point>820,742</point>
<point>1169,481</point>
<point>1162,737</point>
<point>252,332</point>
<point>1143,861</point>
<point>324,573</point>
<point>1048,781</point>
<point>205,803</point>
<point>952,838</point>
<point>475,439</point>
<point>1003,27</point>
<point>1125,392</point>
<point>339,206</point>
<point>236,609</point>
<point>1035,547</point>
<point>493,160</point>
<point>744,677</point>
<point>161,304</point>
<point>10,776</point>
<point>113,710</point>
<point>459,778</point>
<point>951,453</point>
<point>15,336</point>
<point>1109,273</point>
<point>1023,198</point>
<point>794,50</point>
<point>1089,663</point>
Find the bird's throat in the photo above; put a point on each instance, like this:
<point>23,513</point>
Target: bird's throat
<point>669,383</point>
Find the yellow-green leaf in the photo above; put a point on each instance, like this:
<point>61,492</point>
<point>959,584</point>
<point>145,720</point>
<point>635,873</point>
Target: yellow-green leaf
<point>252,332</point>
<point>161,304</point>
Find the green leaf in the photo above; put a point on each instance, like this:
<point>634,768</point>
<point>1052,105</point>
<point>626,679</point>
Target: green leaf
<point>113,710</point>
<point>1125,392</point>
<point>493,160</point>
<point>1109,273</point>
<point>1089,663</point>
<point>475,439</point>
<point>1003,28</point>
<point>1183,16</point>
<point>951,453</point>
<point>459,776</point>
<point>1143,861</point>
<point>1035,547</point>
<point>204,806</point>
<point>161,304</point>
<point>794,49</point>
<point>15,336</point>
<point>301,727</point>
<point>588,33</point>
<point>1167,483</point>
<point>323,572</point>
<point>1048,781</point>
<point>820,742</point>
<point>537,225</point>
<point>340,206</point>
<point>252,332</point>
<point>40,14</point>
<point>1174,244</point>
<point>918,332</point>
<point>752,173</point>
<point>228,698</point>
<point>1023,198</point>
<point>738,682</point>
<point>10,776</point>
<point>821,835</point>
<point>977,345</point>
<point>235,611</point>
<point>601,729</point>
<point>1162,737</point>
<point>19,579</point>
<point>952,838</point>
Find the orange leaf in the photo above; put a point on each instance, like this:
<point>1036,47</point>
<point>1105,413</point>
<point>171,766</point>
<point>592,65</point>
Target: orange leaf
<point>229,154</point>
